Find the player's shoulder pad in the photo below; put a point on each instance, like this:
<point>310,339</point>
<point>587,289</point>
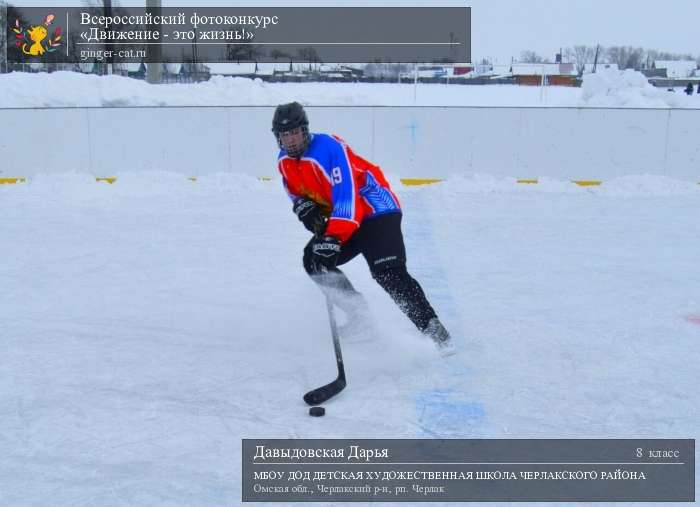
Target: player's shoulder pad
<point>338,138</point>
<point>323,144</point>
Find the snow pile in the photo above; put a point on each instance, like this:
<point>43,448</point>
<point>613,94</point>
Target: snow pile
<point>78,187</point>
<point>82,186</point>
<point>628,88</point>
<point>69,89</point>
<point>485,184</point>
<point>647,185</point>
<point>641,185</point>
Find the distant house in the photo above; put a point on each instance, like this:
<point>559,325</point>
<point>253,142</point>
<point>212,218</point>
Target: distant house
<point>336,73</point>
<point>242,69</point>
<point>357,71</point>
<point>270,69</point>
<point>676,69</point>
<point>425,72</point>
<point>536,74</point>
<point>135,70</point>
<point>654,73</point>
<point>171,72</point>
<point>499,71</point>
<point>280,71</point>
<point>462,69</point>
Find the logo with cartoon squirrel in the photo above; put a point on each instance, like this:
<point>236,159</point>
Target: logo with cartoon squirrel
<point>33,41</point>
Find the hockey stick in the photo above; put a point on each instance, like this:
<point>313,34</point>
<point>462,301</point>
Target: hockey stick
<point>325,393</point>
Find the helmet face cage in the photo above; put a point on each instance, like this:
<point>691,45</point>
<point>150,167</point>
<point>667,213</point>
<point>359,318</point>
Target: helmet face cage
<point>296,150</point>
<point>289,117</point>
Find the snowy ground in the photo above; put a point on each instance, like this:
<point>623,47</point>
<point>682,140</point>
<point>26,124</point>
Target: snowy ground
<point>627,89</point>
<point>148,326</point>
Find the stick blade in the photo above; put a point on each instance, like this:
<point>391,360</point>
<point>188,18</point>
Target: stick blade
<point>325,393</point>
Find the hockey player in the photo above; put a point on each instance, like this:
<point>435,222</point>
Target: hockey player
<point>347,203</point>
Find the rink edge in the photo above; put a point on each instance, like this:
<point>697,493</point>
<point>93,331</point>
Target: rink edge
<point>406,181</point>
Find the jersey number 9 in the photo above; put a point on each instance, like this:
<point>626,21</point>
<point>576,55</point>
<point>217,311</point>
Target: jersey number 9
<point>336,175</point>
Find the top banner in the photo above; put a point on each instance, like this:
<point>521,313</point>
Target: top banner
<point>236,34</point>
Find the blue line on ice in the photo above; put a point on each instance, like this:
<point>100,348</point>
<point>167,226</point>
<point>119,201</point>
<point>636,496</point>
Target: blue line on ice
<point>442,411</point>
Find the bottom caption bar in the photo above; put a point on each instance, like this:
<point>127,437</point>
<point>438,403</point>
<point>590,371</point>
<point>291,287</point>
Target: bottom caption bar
<point>658,470</point>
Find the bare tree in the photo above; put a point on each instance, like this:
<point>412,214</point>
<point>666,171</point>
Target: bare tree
<point>276,53</point>
<point>626,57</point>
<point>580,56</point>
<point>310,55</point>
<point>531,57</point>
<point>246,52</point>
<point>255,52</point>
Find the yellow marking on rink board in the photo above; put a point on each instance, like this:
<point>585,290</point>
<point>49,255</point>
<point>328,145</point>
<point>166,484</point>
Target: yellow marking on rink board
<point>419,181</point>
<point>12,181</point>
<point>406,181</point>
<point>588,183</point>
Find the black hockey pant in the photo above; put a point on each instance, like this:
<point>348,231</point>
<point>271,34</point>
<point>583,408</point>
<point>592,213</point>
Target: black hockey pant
<point>380,241</point>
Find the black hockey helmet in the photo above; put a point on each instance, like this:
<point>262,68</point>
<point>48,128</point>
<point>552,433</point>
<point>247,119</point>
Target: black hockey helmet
<point>288,118</point>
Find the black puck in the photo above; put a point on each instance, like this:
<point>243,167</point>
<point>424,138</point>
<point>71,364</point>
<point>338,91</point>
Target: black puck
<point>317,411</point>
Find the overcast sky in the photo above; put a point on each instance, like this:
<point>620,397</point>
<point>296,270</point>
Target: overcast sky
<point>503,28</point>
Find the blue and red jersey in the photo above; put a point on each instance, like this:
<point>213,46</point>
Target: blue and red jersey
<point>348,188</point>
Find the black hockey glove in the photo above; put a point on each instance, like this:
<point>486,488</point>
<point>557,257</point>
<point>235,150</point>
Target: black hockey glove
<point>326,251</point>
<point>308,212</point>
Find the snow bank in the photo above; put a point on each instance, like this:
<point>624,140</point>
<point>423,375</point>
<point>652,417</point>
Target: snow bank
<point>647,185</point>
<point>68,89</point>
<point>628,88</point>
<point>626,186</point>
<point>156,183</point>
<point>641,185</point>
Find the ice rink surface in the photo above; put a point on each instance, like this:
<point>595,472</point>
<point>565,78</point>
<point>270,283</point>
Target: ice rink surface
<point>148,326</point>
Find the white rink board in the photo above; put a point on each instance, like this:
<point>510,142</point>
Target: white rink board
<point>684,144</point>
<point>35,141</point>
<point>428,142</point>
<point>163,139</point>
<point>591,144</point>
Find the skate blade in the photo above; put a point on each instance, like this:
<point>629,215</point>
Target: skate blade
<point>446,350</point>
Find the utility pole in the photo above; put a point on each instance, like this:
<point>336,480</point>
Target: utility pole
<point>155,53</point>
<point>107,10</point>
<point>595,60</point>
